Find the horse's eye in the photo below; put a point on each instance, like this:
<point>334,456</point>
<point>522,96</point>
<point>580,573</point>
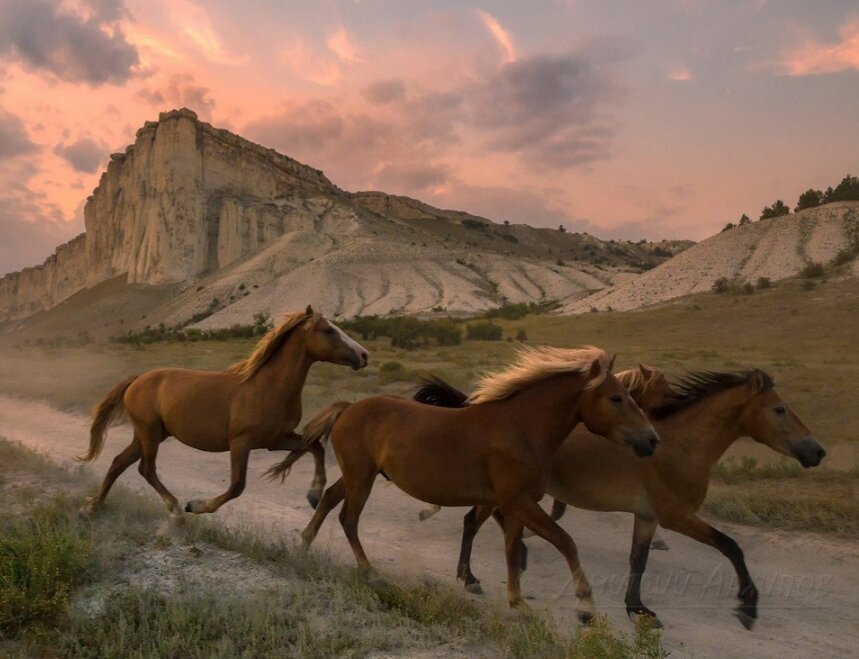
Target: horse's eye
<point>329,330</point>
<point>617,398</point>
<point>780,411</point>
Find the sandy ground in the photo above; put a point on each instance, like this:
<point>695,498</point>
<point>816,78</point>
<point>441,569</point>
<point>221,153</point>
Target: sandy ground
<point>809,584</point>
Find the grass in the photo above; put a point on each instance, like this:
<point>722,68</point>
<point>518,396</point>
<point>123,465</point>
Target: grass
<point>84,588</point>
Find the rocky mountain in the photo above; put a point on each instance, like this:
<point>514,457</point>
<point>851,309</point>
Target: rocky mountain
<point>775,248</point>
<point>195,223</point>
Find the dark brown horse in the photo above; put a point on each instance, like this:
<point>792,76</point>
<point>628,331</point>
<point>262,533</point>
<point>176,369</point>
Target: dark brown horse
<point>495,452</point>
<point>703,415</point>
<point>255,404</point>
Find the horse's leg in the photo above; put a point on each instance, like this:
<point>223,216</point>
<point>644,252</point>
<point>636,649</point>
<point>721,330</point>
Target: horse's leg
<point>558,510</point>
<point>149,440</point>
<point>691,525</point>
<point>659,543</point>
<point>642,535</point>
<point>358,487</point>
<point>319,478</point>
<point>523,548</point>
<point>471,524</point>
<point>239,452</point>
<point>512,549</point>
<point>121,462</point>
<point>330,498</point>
<point>539,521</point>
<point>426,513</point>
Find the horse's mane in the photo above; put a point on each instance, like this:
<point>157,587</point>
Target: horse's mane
<point>633,381</point>
<point>696,386</point>
<point>535,364</point>
<point>267,346</point>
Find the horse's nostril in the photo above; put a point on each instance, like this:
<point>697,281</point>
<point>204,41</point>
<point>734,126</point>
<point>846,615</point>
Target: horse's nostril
<point>821,453</point>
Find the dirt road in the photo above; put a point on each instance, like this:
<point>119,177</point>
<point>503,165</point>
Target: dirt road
<point>809,584</point>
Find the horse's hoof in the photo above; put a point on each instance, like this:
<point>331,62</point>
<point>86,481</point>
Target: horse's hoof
<point>424,515</point>
<point>585,617</point>
<point>644,613</point>
<point>747,616</point>
<point>659,544</point>
<point>474,588</point>
<point>188,508</point>
<point>313,499</point>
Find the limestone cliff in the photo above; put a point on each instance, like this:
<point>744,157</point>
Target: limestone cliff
<point>194,205</point>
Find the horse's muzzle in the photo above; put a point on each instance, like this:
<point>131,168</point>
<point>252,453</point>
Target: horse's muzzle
<point>644,444</point>
<point>360,360</point>
<point>808,451</point>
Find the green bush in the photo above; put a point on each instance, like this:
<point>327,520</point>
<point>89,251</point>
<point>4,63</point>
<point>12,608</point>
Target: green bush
<point>721,285</point>
<point>812,271</point>
<point>393,372</point>
<point>483,331</point>
<point>764,282</point>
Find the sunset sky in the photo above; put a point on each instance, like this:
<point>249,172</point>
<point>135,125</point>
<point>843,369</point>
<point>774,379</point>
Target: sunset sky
<point>627,119</point>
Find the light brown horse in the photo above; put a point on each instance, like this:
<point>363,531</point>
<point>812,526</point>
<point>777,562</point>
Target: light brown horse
<point>255,404</point>
<point>495,452</point>
<point>699,420</point>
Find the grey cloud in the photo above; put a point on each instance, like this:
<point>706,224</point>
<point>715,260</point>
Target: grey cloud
<point>31,226</point>
<point>181,90</point>
<point>14,140</point>
<point>43,36</point>
<point>85,155</point>
<point>383,92</point>
<point>412,177</point>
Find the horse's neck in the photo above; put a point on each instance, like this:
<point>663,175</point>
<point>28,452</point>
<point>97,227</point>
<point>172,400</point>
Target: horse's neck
<point>551,410</point>
<point>285,373</point>
<point>706,430</point>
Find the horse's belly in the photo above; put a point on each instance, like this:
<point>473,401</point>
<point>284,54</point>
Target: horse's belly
<point>440,487</point>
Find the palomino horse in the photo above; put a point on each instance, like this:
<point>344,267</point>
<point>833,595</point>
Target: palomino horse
<point>703,416</point>
<point>254,404</point>
<point>495,452</point>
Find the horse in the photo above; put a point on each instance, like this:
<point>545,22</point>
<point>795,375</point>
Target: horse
<point>699,419</point>
<point>254,404</point>
<point>495,452</point>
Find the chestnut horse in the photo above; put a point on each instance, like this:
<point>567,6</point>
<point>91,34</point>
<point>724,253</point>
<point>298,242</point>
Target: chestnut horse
<point>495,452</point>
<point>254,404</point>
<point>699,419</point>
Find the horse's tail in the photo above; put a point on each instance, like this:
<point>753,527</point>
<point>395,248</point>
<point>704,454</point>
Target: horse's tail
<point>108,412</point>
<point>435,391</point>
<point>317,430</point>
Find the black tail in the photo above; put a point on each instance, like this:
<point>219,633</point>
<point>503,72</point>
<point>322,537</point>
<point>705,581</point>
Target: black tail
<point>435,391</point>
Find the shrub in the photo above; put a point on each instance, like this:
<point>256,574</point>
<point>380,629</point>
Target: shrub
<point>484,330</point>
<point>721,285</point>
<point>778,209</point>
<point>812,271</point>
<point>728,227</point>
<point>473,224</point>
<point>747,288</point>
<point>808,285</point>
<point>521,335</point>
<point>393,372</point>
<point>764,282</point>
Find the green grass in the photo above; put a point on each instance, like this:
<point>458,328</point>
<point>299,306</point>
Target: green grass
<point>43,557</point>
<point>747,468</point>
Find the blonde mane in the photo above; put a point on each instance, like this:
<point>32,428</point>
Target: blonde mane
<point>633,381</point>
<point>267,346</point>
<point>535,364</point>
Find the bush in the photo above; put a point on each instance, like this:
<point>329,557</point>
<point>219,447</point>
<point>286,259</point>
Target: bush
<point>728,227</point>
<point>483,331</point>
<point>721,285</point>
<point>393,372</point>
<point>521,335</point>
<point>809,199</point>
<point>747,288</point>
<point>808,285</point>
<point>845,256</point>
<point>812,271</point>
<point>778,209</point>
<point>764,282</point>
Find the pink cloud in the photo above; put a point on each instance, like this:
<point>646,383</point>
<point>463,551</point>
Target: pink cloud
<point>815,58</point>
<point>502,37</point>
<point>683,74</point>
<point>340,43</point>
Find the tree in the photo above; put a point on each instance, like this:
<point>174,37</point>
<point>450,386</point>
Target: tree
<point>847,190</point>
<point>562,229</point>
<point>745,219</point>
<point>811,198</point>
<point>778,209</point>
<point>728,227</point>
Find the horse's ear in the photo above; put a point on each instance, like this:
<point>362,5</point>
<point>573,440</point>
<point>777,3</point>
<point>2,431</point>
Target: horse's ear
<point>309,310</point>
<point>596,369</point>
<point>761,381</point>
<point>611,363</point>
<point>646,371</point>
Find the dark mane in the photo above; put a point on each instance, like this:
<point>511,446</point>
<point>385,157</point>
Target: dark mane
<point>696,386</point>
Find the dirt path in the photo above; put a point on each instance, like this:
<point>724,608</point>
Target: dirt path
<point>809,584</point>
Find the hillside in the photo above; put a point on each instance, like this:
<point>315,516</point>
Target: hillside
<point>776,248</point>
<point>193,221</point>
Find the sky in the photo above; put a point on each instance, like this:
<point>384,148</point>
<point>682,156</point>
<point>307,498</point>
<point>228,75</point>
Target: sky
<point>626,119</point>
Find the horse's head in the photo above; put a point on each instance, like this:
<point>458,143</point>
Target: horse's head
<point>607,409</point>
<point>766,418</point>
<point>647,385</point>
<point>328,343</point>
